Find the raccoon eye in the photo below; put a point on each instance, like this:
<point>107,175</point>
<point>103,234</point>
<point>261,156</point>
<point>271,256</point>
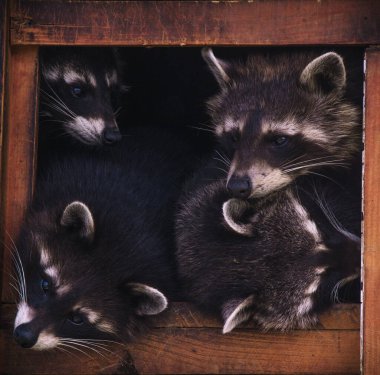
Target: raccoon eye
<point>45,285</point>
<point>235,137</point>
<point>280,141</point>
<point>76,319</point>
<point>77,91</point>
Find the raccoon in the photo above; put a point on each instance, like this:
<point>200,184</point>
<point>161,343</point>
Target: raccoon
<point>95,254</point>
<point>279,260</point>
<point>80,92</point>
<point>275,252</point>
<point>280,116</point>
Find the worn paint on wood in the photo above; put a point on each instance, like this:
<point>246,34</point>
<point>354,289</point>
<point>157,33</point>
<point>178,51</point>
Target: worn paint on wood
<point>184,341</point>
<point>20,144</point>
<point>271,22</point>
<point>371,327</point>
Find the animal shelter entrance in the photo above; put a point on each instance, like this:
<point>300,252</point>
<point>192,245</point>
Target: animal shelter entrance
<point>169,83</point>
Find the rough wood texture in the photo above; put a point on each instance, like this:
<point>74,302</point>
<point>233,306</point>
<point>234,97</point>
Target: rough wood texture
<point>184,341</point>
<point>3,48</point>
<point>270,22</point>
<point>371,328</point>
<point>19,148</point>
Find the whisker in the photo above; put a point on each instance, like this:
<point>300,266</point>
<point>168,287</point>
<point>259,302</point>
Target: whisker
<point>331,163</point>
<point>222,161</point>
<point>18,266</point>
<point>83,345</point>
<point>75,348</point>
<point>287,161</point>
<point>223,157</point>
<point>58,109</point>
<point>202,129</point>
<point>58,347</point>
<point>326,158</point>
<point>58,98</point>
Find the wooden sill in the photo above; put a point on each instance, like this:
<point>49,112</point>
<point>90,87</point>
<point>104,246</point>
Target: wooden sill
<point>192,23</point>
<point>184,341</point>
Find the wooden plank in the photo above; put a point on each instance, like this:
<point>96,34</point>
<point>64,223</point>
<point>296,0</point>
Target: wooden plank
<point>4,25</point>
<point>371,327</point>
<point>184,341</point>
<point>3,49</point>
<point>191,23</point>
<point>344,316</point>
<point>20,144</point>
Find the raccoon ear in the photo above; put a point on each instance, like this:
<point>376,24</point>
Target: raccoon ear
<point>234,211</point>
<point>235,312</point>
<point>324,74</point>
<point>218,67</point>
<point>78,218</point>
<point>146,300</point>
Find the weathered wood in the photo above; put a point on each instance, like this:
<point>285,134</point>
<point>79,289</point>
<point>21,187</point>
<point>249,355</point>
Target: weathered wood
<point>184,315</point>
<point>271,22</point>
<point>183,341</point>
<point>20,144</point>
<point>3,49</point>
<point>371,328</point>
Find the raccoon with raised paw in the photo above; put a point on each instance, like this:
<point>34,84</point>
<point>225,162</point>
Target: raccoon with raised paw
<point>281,248</point>
<point>264,260</point>
<point>95,255</point>
<point>80,92</point>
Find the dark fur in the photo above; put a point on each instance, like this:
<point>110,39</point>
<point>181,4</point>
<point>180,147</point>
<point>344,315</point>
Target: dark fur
<point>131,191</point>
<point>94,102</point>
<point>275,263</point>
<point>267,268</point>
<point>271,88</point>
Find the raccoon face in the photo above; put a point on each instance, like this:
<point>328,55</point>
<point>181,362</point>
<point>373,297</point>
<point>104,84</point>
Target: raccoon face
<point>80,90</point>
<point>68,294</point>
<point>281,117</point>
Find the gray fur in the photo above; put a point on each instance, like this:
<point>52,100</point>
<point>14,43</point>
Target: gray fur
<point>281,275</point>
<point>78,215</point>
<point>279,257</point>
<point>296,95</point>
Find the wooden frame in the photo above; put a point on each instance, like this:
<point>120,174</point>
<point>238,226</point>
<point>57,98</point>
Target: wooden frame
<point>175,343</point>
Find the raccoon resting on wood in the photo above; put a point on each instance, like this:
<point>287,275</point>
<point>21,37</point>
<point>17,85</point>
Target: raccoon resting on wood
<point>278,260</point>
<point>95,255</point>
<point>276,252</point>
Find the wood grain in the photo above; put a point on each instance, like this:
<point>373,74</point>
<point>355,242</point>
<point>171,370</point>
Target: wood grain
<point>191,23</point>
<point>184,341</point>
<point>3,49</point>
<point>3,52</point>
<point>184,315</point>
<point>371,327</point>
<point>20,142</point>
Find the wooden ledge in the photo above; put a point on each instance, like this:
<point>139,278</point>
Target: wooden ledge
<point>184,341</point>
<point>194,23</point>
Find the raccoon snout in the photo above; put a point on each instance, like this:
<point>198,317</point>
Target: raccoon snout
<point>24,336</point>
<point>239,187</point>
<point>111,135</point>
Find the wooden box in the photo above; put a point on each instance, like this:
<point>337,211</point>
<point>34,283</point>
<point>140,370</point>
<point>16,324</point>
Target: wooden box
<point>183,341</point>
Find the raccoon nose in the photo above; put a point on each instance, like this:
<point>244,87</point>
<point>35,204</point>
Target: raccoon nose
<point>239,187</point>
<point>111,135</point>
<point>24,336</point>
